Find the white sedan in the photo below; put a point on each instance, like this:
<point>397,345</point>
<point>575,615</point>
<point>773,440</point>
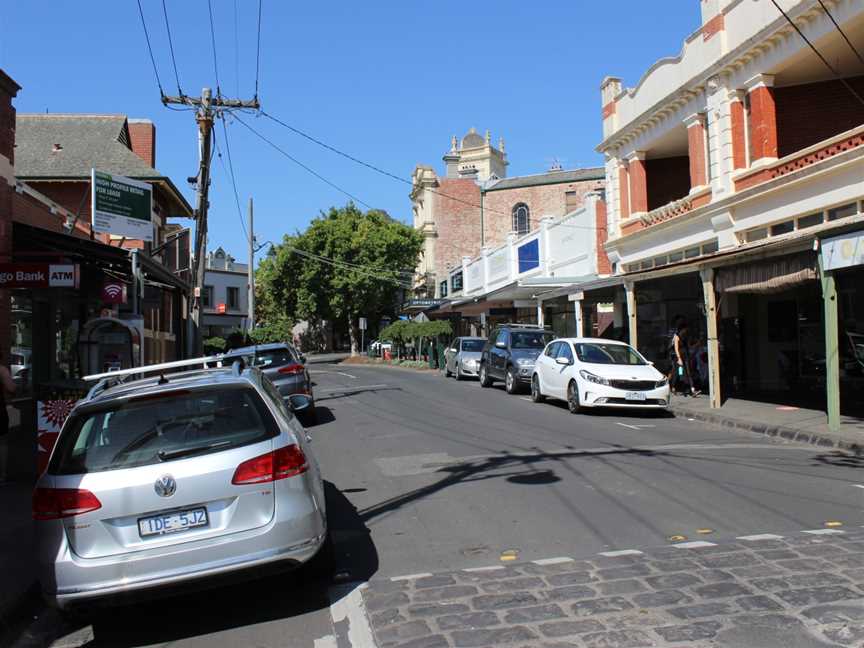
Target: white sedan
<point>593,372</point>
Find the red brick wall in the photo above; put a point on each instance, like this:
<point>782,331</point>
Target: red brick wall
<point>143,140</point>
<point>68,195</point>
<point>763,124</point>
<point>810,113</point>
<point>638,186</point>
<point>696,150</point>
<point>458,222</point>
<point>739,143</point>
<point>604,267</point>
<point>543,200</point>
<point>668,179</point>
<point>624,191</point>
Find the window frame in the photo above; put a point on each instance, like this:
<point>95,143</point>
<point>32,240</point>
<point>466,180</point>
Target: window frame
<point>514,213</point>
<point>228,300</point>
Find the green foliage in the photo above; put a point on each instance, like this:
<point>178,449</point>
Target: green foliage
<point>277,329</point>
<point>405,330</point>
<point>236,339</point>
<point>369,255</point>
<point>214,345</point>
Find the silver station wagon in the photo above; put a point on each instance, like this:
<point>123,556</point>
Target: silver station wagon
<point>168,481</point>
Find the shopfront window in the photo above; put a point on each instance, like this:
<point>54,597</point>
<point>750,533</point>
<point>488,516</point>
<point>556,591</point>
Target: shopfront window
<point>851,340</point>
<point>20,360</point>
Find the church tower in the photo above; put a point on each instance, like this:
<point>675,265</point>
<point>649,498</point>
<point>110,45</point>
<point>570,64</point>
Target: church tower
<point>475,157</point>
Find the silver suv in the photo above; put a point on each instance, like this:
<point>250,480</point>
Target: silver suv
<point>167,481</point>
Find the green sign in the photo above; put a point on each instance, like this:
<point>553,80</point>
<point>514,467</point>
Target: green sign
<point>122,206</point>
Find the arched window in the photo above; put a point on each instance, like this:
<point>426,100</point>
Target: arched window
<point>521,219</point>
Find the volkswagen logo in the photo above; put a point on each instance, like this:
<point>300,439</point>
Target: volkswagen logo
<point>165,486</point>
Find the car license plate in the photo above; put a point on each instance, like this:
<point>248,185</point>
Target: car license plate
<point>172,522</point>
<point>635,396</point>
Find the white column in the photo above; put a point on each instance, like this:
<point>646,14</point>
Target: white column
<point>540,321</point>
<point>484,252</point>
<point>514,259</point>
<point>544,245</point>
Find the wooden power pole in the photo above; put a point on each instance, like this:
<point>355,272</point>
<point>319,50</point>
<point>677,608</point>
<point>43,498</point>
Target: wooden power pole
<point>206,106</point>
<point>251,280</point>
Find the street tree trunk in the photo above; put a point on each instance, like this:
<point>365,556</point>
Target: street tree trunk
<point>353,334</point>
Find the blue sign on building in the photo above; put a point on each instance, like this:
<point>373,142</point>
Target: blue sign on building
<point>529,256</point>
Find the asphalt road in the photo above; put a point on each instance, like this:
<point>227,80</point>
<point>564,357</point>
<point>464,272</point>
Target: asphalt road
<point>429,475</point>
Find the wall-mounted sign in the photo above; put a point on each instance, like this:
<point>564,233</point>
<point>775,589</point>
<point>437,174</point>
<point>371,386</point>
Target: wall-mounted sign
<point>220,308</point>
<point>122,206</point>
<point>39,275</point>
<point>499,262</point>
<point>529,256</point>
<point>113,292</point>
<point>843,251</point>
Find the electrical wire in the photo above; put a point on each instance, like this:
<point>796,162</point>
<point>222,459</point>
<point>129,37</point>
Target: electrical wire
<point>842,33</point>
<point>236,50</point>
<point>375,275</point>
<point>233,178</point>
<point>399,178</point>
<point>150,49</point>
<point>213,42</point>
<point>258,50</point>
<point>352,266</point>
<point>303,166</point>
<point>171,47</point>
<point>818,53</point>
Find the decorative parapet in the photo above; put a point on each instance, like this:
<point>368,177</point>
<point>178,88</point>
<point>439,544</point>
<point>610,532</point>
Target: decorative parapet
<point>676,208</point>
<point>802,159</point>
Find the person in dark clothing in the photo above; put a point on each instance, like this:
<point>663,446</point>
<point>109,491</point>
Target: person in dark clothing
<point>7,387</point>
<point>679,352</point>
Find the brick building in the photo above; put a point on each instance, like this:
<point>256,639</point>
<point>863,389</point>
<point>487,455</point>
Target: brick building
<point>735,200</point>
<point>475,206</point>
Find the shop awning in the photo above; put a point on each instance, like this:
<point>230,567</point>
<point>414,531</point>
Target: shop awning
<point>768,275</point>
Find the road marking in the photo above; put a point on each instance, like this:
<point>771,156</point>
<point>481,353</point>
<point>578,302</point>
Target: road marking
<point>528,398</point>
<point>342,373</point>
<point>553,561</point>
<point>760,536</point>
<point>695,544</point>
<point>833,524</point>
<point>622,552</point>
<point>326,642</point>
<point>509,555</point>
<point>349,616</point>
<point>635,427</point>
<point>858,485</point>
<point>704,531</point>
<point>347,388</point>
<point>677,538</point>
<point>823,531</point>
<point>396,579</point>
<point>483,569</point>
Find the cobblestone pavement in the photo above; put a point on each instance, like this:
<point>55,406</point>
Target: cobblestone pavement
<point>766,591</point>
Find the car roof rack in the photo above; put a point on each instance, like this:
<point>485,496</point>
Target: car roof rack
<point>110,378</point>
<point>521,325</point>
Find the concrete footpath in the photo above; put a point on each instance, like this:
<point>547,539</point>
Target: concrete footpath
<point>783,422</point>
<point>18,591</point>
<point>805,590</point>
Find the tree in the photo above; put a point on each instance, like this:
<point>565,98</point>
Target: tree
<point>346,265</point>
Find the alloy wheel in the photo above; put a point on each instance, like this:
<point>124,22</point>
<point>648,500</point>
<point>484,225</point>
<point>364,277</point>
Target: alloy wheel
<point>573,398</point>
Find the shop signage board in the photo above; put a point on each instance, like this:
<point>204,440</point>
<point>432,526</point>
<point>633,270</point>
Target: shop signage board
<point>529,256</point>
<point>122,206</point>
<point>843,251</point>
<point>113,292</point>
<point>499,264</point>
<point>39,275</point>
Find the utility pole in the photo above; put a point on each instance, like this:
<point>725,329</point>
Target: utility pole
<point>206,105</point>
<point>250,287</point>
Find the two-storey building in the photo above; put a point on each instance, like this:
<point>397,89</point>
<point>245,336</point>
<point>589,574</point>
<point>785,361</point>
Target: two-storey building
<point>735,180</point>
<point>226,295</point>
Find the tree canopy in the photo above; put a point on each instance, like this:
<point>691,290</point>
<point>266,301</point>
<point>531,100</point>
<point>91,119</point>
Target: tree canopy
<point>347,264</point>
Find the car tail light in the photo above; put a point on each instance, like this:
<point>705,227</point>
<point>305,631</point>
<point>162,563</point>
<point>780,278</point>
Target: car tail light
<point>56,503</point>
<point>291,369</point>
<point>273,466</point>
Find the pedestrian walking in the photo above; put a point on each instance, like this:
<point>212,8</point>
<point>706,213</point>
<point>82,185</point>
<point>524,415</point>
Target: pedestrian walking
<point>7,387</point>
<point>681,374</point>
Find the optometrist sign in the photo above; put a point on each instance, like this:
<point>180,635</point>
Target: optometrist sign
<point>843,251</point>
<point>122,206</point>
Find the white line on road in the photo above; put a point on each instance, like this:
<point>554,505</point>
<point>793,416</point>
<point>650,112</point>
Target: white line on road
<point>326,642</point>
<point>761,536</point>
<point>824,531</point>
<point>396,579</point>
<point>525,398</point>
<point>484,569</point>
<point>622,552</point>
<point>342,373</point>
<point>858,485</point>
<point>349,388</point>
<point>552,561</point>
<point>346,605</point>
<point>695,544</point>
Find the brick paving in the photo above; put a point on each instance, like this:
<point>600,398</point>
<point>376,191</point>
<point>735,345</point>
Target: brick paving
<point>802,590</point>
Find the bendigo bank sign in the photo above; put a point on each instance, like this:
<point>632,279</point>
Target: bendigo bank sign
<point>39,275</point>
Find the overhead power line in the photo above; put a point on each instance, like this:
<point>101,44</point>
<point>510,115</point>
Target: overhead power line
<point>819,54</point>
<point>842,33</point>
<point>171,47</point>
<point>303,166</point>
<point>233,177</point>
<point>258,49</point>
<point>150,49</point>
<point>213,42</point>
<point>335,263</point>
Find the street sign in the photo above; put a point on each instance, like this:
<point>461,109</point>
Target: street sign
<point>113,292</point>
<point>220,308</point>
<point>39,275</point>
<point>362,324</point>
<point>843,251</point>
<point>122,206</point>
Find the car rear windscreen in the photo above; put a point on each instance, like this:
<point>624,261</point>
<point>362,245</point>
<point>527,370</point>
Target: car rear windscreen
<point>529,339</point>
<point>473,345</point>
<point>160,427</point>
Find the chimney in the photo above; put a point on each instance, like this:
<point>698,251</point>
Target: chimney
<point>142,133</point>
<point>610,89</point>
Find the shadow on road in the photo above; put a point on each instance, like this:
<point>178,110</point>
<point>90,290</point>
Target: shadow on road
<point>249,603</point>
<point>323,415</point>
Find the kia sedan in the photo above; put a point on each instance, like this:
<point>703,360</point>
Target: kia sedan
<point>594,372</point>
<point>462,357</point>
<point>168,482</point>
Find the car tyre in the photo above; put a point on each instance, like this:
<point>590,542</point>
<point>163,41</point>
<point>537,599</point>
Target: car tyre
<point>485,380</point>
<point>510,384</point>
<point>447,373</point>
<point>573,398</point>
<point>458,371</point>
<point>536,395</point>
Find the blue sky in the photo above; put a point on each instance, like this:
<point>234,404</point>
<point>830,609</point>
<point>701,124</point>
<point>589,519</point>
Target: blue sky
<point>388,81</point>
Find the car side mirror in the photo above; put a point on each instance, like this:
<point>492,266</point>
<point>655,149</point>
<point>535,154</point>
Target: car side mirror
<point>651,363</point>
<point>563,361</point>
<point>302,359</point>
<point>299,403</point>
<point>500,345</point>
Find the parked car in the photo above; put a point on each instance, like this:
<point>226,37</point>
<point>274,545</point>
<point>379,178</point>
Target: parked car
<point>595,372</point>
<point>283,365</point>
<point>176,481</point>
<point>378,347</point>
<point>462,357</point>
<point>509,355</point>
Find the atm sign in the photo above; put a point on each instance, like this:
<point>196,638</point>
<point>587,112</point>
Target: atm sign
<point>39,275</point>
